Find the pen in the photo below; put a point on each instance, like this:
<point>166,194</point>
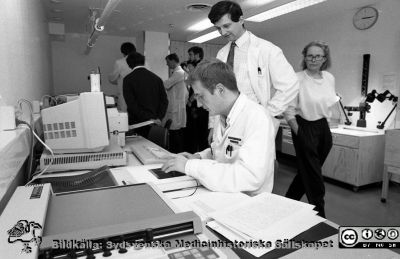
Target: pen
<point>259,70</point>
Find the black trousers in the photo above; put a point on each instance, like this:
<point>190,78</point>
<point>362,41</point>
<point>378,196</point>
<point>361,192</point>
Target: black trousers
<point>176,140</point>
<point>312,144</point>
<point>196,131</point>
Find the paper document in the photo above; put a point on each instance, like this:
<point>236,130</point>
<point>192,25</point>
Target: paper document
<point>206,202</point>
<point>267,217</point>
<point>141,124</point>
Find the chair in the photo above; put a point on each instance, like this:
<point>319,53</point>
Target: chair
<point>160,135</point>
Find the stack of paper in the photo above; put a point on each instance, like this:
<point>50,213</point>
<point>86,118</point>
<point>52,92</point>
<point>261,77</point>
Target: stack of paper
<point>264,219</point>
<point>204,202</point>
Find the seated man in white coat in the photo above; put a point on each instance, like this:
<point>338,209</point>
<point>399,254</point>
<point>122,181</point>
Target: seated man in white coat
<point>241,156</point>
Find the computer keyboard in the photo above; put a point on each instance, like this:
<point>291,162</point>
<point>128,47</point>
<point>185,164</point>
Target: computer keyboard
<point>150,154</point>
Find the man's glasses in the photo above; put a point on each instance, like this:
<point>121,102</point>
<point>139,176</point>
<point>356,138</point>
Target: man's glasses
<point>316,57</point>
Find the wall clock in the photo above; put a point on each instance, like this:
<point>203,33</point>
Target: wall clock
<point>365,18</point>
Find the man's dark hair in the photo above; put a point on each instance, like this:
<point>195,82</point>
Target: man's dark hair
<point>225,7</point>
<point>197,50</point>
<point>127,48</point>
<point>173,57</point>
<point>135,59</point>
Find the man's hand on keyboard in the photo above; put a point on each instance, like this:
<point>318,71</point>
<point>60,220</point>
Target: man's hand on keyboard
<point>177,163</point>
<point>190,156</point>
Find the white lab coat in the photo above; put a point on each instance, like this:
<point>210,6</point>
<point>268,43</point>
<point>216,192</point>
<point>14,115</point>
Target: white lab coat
<point>116,77</point>
<point>268,68</point>
<point>177,94</point>
<point>241,158</point>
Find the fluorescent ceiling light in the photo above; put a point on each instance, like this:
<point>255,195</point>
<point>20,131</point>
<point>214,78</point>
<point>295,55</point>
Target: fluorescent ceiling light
<point>283,9</point>
<point>258,3</point>
<point>202,25</point>
<point>206,37</point>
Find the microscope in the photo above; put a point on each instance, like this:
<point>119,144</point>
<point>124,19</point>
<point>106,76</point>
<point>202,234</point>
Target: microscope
<point>364,107</point>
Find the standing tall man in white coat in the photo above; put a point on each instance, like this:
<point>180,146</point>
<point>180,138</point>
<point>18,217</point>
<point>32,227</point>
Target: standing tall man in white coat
<point>121,69</point>
<point>254,60</point>
<point>177,96</point>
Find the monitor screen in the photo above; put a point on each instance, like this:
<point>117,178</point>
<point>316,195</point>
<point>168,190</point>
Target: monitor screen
<point>77,126</point>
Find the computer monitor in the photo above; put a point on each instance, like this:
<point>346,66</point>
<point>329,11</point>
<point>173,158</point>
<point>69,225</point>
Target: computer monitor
<point>77,126</point>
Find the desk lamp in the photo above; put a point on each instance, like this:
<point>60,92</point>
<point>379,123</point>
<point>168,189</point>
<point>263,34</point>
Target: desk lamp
<point>382,97</point>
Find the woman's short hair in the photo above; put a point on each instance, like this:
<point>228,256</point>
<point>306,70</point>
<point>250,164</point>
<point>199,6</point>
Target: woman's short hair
<point>212,72</point>
<point>225,7</point>
<point>325,49</point>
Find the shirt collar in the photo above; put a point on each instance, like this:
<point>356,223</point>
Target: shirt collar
<point>137,68</point>
<point>242,39</point>
<point>178,68</point>
<point>236,109</point>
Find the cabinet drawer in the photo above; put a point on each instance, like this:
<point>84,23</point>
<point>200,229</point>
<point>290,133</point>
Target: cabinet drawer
<point>345,140</point>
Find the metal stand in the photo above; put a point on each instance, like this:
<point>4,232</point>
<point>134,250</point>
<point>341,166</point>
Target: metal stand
<point>382,125</point>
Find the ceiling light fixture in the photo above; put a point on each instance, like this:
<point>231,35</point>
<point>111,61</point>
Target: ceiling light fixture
<point>283,9</point>
<point>199,7</point>
<point>202,25</point>
<point>206,37</point>
<point>99,23</point>
<point>269,14</point>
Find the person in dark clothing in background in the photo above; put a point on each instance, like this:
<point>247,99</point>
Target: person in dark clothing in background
<point>196,131</point>
<point>144,94</point>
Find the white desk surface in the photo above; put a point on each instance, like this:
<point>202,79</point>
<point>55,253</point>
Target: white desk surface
<point>357,131</point>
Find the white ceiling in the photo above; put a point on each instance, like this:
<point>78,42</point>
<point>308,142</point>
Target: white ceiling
<point>132,16</point>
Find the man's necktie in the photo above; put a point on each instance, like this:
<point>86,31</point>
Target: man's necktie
<point>231,54</point>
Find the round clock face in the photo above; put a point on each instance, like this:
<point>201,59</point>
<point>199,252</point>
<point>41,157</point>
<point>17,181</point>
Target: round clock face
<point>365,18</point>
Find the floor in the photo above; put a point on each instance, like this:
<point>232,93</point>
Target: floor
<point>344,206</point>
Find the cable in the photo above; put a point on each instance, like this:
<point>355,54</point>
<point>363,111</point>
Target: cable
<point>195,190</point>
<point>30,159</point>
<point>47,167</point>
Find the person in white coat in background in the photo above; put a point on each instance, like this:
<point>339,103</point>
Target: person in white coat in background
<point>177,97</point>
<point>121,69</point>
<point>241,156</point>
<point>260,66</point>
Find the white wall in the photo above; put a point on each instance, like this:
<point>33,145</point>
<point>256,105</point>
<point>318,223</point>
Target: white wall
<point>25,63</point>
<point>347,46</point>
<point>156,48</point>
<point>71,66</point>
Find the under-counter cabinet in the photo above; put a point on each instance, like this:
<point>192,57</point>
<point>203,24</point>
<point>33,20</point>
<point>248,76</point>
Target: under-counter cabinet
<point>356,157</point>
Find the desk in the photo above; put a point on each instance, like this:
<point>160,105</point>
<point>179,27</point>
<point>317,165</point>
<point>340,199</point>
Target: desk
<point>356,157</point>
<point>324,231</point>
<point>321,231</point>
